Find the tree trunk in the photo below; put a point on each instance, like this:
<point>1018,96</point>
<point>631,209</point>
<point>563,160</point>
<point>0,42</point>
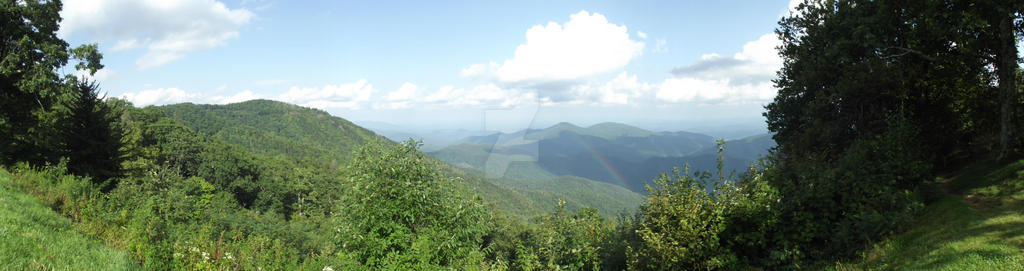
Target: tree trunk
<point>1006,68</point>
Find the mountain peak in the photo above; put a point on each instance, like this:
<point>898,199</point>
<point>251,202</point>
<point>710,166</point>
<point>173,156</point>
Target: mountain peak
<point>612,130</point>
<point>564,125</point>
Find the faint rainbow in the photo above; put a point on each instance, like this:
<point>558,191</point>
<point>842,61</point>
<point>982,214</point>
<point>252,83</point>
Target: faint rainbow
<point>604,163</point>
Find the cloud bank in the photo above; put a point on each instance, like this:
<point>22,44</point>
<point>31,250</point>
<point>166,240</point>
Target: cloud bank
<point>167,30</point>
<point>744,77</point>
<point>585,45</point>
<point>567,63</point>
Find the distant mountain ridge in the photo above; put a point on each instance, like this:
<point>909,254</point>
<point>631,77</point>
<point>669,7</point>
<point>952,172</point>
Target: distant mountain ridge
<point>281,128</point>
<point>310,135</point>
<point>609,152</point>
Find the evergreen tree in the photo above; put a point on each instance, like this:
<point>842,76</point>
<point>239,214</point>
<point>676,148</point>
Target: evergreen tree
<point>93,143</point>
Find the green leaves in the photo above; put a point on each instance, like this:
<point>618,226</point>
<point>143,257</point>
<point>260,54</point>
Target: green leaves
<point>89,58</point>
<point>871,96</point>
<point>400,210</point>
<point>43,115</point>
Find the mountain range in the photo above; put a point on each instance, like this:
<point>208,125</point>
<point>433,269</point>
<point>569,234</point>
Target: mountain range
<point>306,135</point>
<point>613,153</point>
<point>525,172</point>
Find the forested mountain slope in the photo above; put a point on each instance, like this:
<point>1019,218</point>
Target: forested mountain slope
<point>875,99</point>
<point>275,128</point>
<point>306,135</point>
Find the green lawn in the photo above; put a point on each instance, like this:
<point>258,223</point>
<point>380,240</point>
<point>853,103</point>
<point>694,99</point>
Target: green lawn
<point>34,237</point>
<point>978,226</point>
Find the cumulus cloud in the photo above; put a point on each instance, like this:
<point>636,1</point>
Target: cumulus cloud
<point>342,96</point>
<point>713,91</point>
<point>159,96</point>
<point>404,93</point>
<point>641,34</point>
<point>585,45</point>
<point>404,97</point>
<point>168,30</point>
<point>479,70</point>
<point>618,91</point>
<point>743,77</point>
<point>488,95</point>
<point>173,95</point>
<point>346,96</point>
<point>237,98</point>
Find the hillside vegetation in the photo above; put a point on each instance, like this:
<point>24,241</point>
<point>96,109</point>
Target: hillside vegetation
<point>32,236</point>
<point>275,128</point>
<point>309,136</point>
<point>978,225</point>
<point>875,99</point>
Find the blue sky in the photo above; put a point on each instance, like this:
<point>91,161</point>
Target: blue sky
<point>452,64</point>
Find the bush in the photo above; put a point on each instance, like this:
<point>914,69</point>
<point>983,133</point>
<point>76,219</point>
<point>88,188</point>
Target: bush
<point>399,211</point>
<point>836,208</point>
<point>685,224</point>
<point>681,226</point>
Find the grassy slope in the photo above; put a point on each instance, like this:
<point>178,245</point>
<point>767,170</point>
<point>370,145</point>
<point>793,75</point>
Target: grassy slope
<point>978,226</point>
<point>33,236</point>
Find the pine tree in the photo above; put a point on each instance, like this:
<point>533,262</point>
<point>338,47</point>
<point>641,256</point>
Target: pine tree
<point>92,142</point>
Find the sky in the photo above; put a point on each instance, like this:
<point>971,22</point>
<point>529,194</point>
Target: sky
<point>662,65</point>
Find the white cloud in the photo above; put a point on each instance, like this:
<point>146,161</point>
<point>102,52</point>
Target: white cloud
<point>641,34</point>
<point>744,77</point>
<point>791,8</point>
<point>585,45</point>
<point>169,30</point>
<point>237,98</point>
<point>159,96</point>
<point>404,97</point>
<point>618,91</point>
<point>404,93</point>
<point>479,70</point>
<point>347,96</point>
<point>100,75</point>
<point>446,93</point>
<point>128,44</point>
<point>485,96</point>
<point>713,91</point>
<point>162,96</point>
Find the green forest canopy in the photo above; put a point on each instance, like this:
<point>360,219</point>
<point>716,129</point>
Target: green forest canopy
<point>875,98</point>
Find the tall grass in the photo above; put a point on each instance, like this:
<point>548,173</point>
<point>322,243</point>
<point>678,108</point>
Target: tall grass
<point>34,237</point>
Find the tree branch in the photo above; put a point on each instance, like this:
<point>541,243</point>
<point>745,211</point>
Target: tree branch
<point>908,51</point>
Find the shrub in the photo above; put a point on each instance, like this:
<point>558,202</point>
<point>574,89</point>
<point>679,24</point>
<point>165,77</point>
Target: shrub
<point>681,226</point>
<point>399,211</point>
<point>836,208</point>
<point>707,221</point>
